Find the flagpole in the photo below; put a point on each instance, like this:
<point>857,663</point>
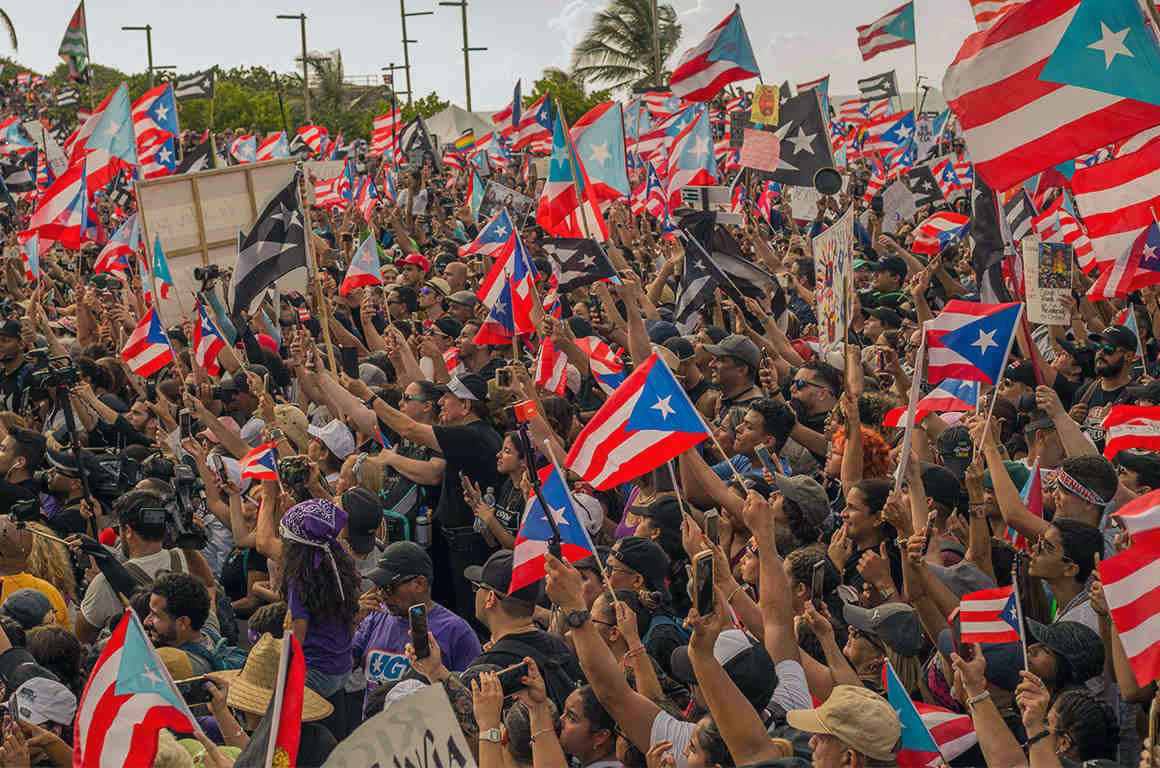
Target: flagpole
<point>994,388</point>
<point>89,58</point>
<point>911,406</point>
<point>312,268</point>
<point>279,696</point>
<point>1015,569</point>
<point>915,61</point>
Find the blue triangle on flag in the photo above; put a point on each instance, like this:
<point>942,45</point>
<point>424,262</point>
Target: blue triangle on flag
<point>663,405</point>
<point>1107,47</point>
<point>985,342</point>
<point>139,670</point>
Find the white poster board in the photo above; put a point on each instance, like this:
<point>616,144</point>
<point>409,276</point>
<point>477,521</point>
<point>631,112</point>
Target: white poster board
<point>419,729</point>
<point>1047,271</point>
<point>833,264</point>
<point>48,145</point>
<point>803,202</point>
<point>897,207</point>
<point>198,216</point>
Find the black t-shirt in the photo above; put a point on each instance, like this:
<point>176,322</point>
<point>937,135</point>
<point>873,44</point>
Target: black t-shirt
<point>12,387</point>
<point>541,646</point>
<point>470,449</point>
<point>509,506</point>
<point>1098,401</point>
<point>237,568</point>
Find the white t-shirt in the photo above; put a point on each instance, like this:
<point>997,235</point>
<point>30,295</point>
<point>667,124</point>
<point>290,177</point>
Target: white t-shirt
<point>792,692</point>
<point>100,604</point>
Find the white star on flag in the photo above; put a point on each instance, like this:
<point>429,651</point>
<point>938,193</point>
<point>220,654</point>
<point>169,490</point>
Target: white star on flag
<point>162,111</point>
<point>1112,44</point>
<point>600,153</point>
<point>802,142</point>
<point>700,147</point>
<point>662,405</point>
<point>588,260</point>
<point>501,231</point>
<point>558,516</point>
<point>163,155</point>
<point>985,341</point>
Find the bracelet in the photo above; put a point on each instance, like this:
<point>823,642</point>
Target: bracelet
<point>370,401</point>
<point>971,702</point>
<point>541,732</point>
<point>1037,738</point>
<point>733,594</point>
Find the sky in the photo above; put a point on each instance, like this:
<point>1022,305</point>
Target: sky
<point>792,39</point>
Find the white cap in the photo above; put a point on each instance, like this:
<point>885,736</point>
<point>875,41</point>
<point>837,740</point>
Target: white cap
<point>336,436</point>
<point>590,511</point>
<point>40,700</point>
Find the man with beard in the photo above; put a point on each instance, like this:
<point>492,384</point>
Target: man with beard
<point>14,368</point>
<point>814,391</point>
<point>178,608</point>
<point>403,578</point>
<point>1115,354</point>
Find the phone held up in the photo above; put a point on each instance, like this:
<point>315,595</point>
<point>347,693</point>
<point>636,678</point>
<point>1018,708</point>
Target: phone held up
<point>417,614</point>
<point>703,583</point>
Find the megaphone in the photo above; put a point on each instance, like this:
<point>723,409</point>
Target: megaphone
<point>827,181</point>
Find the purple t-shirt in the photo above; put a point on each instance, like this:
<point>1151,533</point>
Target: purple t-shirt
<point>327,643</point>
<point>381,637</point>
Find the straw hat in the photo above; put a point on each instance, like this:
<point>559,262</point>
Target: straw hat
<point>252,686</point>
<point>176,661</point>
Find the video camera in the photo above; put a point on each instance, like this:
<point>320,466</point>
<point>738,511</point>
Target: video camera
<point>50,372</point>
<point>181,530</point>
<point>207,274</point>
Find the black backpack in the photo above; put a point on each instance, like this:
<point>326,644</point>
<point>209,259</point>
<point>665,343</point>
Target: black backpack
<point>561,671</point>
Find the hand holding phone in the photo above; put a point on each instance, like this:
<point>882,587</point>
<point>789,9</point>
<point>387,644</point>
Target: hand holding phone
<point>511,680</point>
<point>703,595</point>
<point>194,691</point>
<point>817,584</point>
<point>417,614</point>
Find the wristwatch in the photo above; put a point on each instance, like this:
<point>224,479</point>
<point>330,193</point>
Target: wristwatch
<point>370,401</point>
<point>492,735</point>
<point>576,619</point>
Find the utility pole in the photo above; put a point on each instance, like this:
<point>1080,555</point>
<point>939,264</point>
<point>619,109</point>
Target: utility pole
<point>148,30</point>
<point>467,49</point>
<point>656,41</point>
<point>389,82</point>
<point>407,41</point>
<point>301,19</point>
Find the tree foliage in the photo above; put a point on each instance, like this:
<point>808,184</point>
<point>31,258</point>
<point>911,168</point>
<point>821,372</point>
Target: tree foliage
<point>568,92</point>
<point>617,50</point>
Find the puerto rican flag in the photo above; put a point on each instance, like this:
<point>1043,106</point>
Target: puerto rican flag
<point>989,616</point>
<point>604,363</point>
<point>384,134</point>
<point>1131,582</point>
<point>495,241</point>
<point>644,423</point>
<point>1131,426</point>
<point>723,57</point>
<point>365,268</point>
<point>970,341</point>
<point>535,532</point>
<point>156,130</point>
<point>244,148</point>
<point>147,351</point>
<point>1058,224</point>
<point>313,136</point>
<point>954,732</point>
<point>551,368</point>
<point>261,463</point>
<point>944,173</point>
<point>160,269</point>
<point>128,699</point>
<point>949,395</point>
<point>894,30</point>
<point>940,230</point>
<point>274,147</point>
<point>507,120</point>
<point>367,198</point>
<point>690,161</point>
<point>508,293</point>
<point>887,134</point>
<point>918,748</point>
<point>535,131</point>
<point>207,342</point>
<point>559,210</point>
<point>61,213</point>
<point>122,246</point>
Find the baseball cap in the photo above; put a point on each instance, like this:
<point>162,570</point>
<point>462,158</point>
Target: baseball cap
<point>962,578</point>
<point>888,317</point>
<point>1084,356</point>
<point>449,326</point>
<point>363,515</point>
<point>469,386</point>
<point>10,328</point>
<point>735,345</point>
<point>466,298</point>
<point>748,665</point>
<point>645,557</point>
<point>402,560</point>
<point>666,513</point>
<point>336,436</point>
<point>943,486</point>
<point>496,574</point>
<point>681,347</point>
<point>414,259</point>
<point>440,285</point>
<point>896,624</point>
<point>1016,470</point>
<point>807,494</point>
<point>590,511</point>
<point>1075,645</point>
<point>1004,660</point>
<point>660,331</point>
<point>40,700</point>
<point>893,264</point>
<point>1147,463</point>
<point>1118,335</point>
<point>955,449</point>
<point>1020,371</point>
<point>856,716</point>
<point>27,606</point>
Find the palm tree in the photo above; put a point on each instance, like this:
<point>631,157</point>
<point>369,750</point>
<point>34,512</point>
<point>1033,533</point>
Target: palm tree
<point>618,51</point>
<point>7,24</point>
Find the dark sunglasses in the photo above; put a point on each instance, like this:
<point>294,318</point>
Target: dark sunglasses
<point>1108,349</point>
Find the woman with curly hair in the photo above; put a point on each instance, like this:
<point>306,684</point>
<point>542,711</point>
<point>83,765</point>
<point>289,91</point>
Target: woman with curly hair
<point>321,585</point>
<point>875,453</point>
<point>50,560</point>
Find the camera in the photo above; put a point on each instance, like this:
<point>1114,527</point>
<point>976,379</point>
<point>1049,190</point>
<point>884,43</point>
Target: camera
<point>26,511</point>
<point>181,530</point>
<point>207,274</point>
<point>50,373</point>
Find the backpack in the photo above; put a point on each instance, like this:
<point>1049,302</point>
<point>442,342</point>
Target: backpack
<point>664,619</point>
<point>555,668</point>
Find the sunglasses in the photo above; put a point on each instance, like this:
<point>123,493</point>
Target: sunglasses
<point>1107,349</point>
<point>414,399</point>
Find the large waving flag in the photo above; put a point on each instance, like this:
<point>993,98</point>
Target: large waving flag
<point>508,293</point>
<point>1058,224</point>
<point>598,137</point>
<point>647,421</point>
<point>535,129</point>
<point>949,395</point>
<point>970,341</point>
<point>1131,427</point>
<point>128,699</point>
<point>156,131</point>
<point>1050,81</point>
<point>496,240</point>
<point>894,30</point>
<point>561,211</point>
<point>1136,268</point>
<point>918,748</point>
<point>112,146</point>
<point>61,213</point>
<point>385,130</point>
<point>74,46</point>
<point>147,350</point>
<point>207,341</point>
<point>887,134</point>
<point>723,57</point>
<point>940,230</point>
<point>1131,583</point>
<point>365,268</point>
<point>244,149</point>
<point>551,368</point>
<point>1117,199</point>
<point>691,162</point>
<point>273,147</point>
<point>507,120</point>
<point>987,12</point>
<point>536,532</point>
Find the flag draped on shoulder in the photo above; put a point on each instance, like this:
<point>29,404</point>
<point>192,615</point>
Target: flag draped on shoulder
<point>275,245</point>
<point>723,57</point>
<point>647,421</point>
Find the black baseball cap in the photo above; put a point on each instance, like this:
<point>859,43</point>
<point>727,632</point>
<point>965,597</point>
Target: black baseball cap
<point>363,515</point>
<point>1077,646</point>
<point>400,561</point>
<point>468,386</point>
<point>894,264</point>
<point>1116,335</point>
<point>888,317</point>
<point>10,328</point>
<point>955,449</point>
<point>449,326</point>
<point>942,485</point>
<point>681,347</point>
<point>645,557</point>
<point>1020,371</point>
<point>496,574</point>
<point>748,665</point>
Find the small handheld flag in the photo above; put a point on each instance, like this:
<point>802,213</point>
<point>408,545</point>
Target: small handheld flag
<point>261,463</point>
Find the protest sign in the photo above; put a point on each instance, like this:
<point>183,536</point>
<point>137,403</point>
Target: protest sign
<point>48,145</point>
<point>497,196</point>
<point>897,207</point>
<point>803,202</point>
<point>833,264</point>
<point>760,150</point>
<point>320,170</point>
<point>1047,270</point>
<point>419,729</point>
<point>765,105</point>
<point>716,199</point>
<point>738,122</point>
<point>198,216</point>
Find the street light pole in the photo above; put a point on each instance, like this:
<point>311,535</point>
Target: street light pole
<point>148,30</point>
<point>467,49</point>
<point>656,41</point>
<point>407,41</point>
<point>301,19</point>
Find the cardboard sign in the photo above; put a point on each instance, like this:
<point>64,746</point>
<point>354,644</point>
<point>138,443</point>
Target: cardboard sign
<point>760,150</point>
<point>897,207</point>
<point>419,729</point>
<point>716,199</point>
<point>803,202</point>
<point>833,263</point>
<point>497,196</point>
<point>1047,269</point>
<point>766,105</point>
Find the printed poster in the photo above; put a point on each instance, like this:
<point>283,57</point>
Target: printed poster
<point>766,105</point>
<point>833,262</point>
<point>1047,270</point>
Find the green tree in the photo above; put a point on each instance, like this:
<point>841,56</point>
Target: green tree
<point>567,91</point>
<point>425,107</point>
<point>617,50</point>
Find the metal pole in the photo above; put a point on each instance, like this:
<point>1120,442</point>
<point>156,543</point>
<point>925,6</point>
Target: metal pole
<point>656,39</point>
<point>406,52</point>
<point>305,70</point>
<point>466,54</point>
<point>148,30</point>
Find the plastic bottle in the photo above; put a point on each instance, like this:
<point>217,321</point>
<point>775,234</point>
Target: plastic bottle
<point>489,500</point>
<point>423,528</point>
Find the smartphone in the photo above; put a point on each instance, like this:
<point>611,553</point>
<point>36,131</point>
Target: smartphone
<point>194,691</point>
<point>512,678</point>
<point>503,378</point>
<point>185,420</point>
<point>766,459</point>
<point>349,358</point>
<point>703,582</point>
<point>965,652</point>
<point>713,526</point>
<point>817,583</point>
<point>219,468</point>
<point>419,640</point>
<point>151,391</point>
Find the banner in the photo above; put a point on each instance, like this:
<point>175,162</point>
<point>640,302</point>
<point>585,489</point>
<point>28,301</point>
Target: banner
<point>897,207</point>
<point>761,150</point>
<point>419,729</point>
<point>497,196</point>
<point>1047,269</point>
<point>48,145</point>
<point>765,105</point>
<point>833,262</point>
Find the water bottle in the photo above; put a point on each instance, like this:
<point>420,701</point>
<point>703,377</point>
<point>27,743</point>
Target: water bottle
<point>423,528</point>
<point>489,500</point>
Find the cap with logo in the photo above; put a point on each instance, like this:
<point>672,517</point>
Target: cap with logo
<point>400,561</point>
<point>469,386</point>
<point>496,574</point>
<point>40,701</point>
<point>1117,335</point>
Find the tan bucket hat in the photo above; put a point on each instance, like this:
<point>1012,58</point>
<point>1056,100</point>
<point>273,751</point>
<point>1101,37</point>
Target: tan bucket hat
<point>252,686</point>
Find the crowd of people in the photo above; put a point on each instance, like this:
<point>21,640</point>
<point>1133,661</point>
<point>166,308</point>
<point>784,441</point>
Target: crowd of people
<point>403,481</point>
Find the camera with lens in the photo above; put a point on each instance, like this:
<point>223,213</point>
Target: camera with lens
<point>26,511</point>
<point>49,372</point>
<point>207,274</point>
<point>181,529</point>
